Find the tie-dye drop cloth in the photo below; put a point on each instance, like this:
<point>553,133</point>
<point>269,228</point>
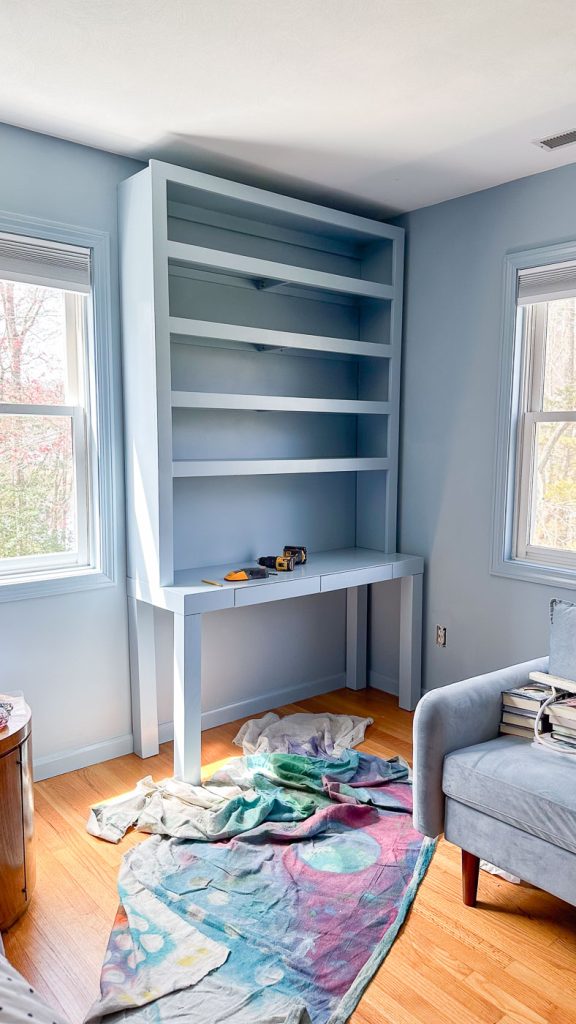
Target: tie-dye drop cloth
<point>285,922</point>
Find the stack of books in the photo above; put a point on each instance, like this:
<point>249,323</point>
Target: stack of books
<point>561,716</point>
<point>520,708</point>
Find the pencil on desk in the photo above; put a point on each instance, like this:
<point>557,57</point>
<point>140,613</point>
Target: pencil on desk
<point>213,583</point>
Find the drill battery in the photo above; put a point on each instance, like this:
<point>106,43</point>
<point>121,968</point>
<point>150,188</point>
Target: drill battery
<point>282,563</point>
<point>296,551</point>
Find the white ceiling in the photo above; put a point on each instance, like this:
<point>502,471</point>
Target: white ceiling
<point>379,105</point>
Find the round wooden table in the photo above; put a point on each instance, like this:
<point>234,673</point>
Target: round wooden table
<point>17,864</point>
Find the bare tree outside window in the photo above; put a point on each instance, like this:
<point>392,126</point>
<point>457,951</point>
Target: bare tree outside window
<point>37,503</point>
<point>546,509</point>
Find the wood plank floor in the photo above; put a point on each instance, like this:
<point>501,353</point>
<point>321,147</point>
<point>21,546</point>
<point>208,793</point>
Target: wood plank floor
<point>509,961</point>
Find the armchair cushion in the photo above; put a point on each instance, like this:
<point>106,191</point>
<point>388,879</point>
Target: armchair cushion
<point>511,779</point>
<point>450,718</point>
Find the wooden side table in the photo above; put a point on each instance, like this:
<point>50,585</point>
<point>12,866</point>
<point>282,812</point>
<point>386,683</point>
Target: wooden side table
<point>17,862</point>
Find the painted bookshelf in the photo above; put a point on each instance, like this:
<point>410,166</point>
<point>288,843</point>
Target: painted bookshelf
<point>261,339</point>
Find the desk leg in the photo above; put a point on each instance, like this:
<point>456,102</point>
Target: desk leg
<point>356,637</point>
<point>410,671</point>
<point>142,649</point>
<point>187,697</point>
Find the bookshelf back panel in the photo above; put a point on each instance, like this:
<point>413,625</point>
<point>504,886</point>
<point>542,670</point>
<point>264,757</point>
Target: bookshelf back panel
<point>236,519</point>
<point>281,250</point>
<point>228,434</point>
<point>245,371</point>
<point>231,434</point>
<point>234,300</point>
<point>371,499</point>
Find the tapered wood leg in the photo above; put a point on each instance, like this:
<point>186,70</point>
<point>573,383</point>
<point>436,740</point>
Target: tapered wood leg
<point>470,869</point>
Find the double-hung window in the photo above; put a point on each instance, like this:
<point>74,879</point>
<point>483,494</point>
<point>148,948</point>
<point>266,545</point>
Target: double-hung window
<point>538,477</point>
<point>49,500</point>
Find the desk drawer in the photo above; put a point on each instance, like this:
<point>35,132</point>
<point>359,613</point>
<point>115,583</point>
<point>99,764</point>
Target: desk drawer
<point>260,593</point>
<point>356,577</point>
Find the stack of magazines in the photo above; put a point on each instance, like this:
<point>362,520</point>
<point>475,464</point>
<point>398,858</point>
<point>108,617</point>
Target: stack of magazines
<point>521,706</point>
<point>561,715</point>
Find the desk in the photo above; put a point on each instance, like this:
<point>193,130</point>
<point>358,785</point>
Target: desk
<point>188,598</point>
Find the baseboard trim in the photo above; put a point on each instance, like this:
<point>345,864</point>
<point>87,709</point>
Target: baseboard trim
<point>82,757</point>
<point>71,760</point>
<point>264,702</point>
<point>388,684</point>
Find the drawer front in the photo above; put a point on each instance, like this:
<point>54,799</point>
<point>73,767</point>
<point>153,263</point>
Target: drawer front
<point>213,599</point>
<point>356,577</point>
<point>260,593</point>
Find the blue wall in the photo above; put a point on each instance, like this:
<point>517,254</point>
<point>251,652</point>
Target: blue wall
<point>69,653</point>
<point>451,367</point>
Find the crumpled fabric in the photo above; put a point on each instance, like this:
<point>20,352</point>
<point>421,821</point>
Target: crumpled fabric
<point>313,735</point>
<point>243,794</point>
<point>152,951</point>
<point>306,904</point>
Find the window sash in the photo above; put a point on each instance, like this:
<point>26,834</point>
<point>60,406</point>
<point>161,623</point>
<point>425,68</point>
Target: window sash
<point>534,325</point>
<point>80,556</point>
<point>79,409</point>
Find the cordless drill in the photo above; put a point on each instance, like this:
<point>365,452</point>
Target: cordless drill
<point>292,556</point>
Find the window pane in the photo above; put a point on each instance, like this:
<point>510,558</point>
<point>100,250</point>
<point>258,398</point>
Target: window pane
<point>37,494</point>
<point>560,358</point>
<point>32,344</point>
<point>554,487</point>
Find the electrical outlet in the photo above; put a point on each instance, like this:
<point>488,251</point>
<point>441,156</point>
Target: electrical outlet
<point>441,636</point>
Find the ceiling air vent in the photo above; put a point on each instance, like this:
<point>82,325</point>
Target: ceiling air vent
<point>556,141</point>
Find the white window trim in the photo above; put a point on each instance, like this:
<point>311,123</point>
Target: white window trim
<point>104,463</point>
<point>541,565</point>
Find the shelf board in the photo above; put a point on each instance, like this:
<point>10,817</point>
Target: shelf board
<point>267,270</point>
<point>275,403</point>
<point>259,337</point>
<point>259,467</point>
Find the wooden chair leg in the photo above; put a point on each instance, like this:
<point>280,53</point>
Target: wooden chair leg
<point>470,869</point>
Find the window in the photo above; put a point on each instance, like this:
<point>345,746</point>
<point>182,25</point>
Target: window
<point>535,510</point>
<point>49,496</point>
<point>546,464</point>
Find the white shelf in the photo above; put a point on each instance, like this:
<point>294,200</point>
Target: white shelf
<point>275,403</point>
<point>268,270</point>
<point>259,337</point>
<point>258,467</point>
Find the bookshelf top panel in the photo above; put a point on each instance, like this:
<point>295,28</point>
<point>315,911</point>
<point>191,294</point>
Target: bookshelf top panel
<point>233,198</point>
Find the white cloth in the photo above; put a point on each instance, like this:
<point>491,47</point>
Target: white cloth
<point>170,807</point>
<point>19,1001</point>
<point>493,870</point>
<point>313,735</point>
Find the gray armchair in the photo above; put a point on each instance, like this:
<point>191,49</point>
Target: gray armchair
<point>499,798</point>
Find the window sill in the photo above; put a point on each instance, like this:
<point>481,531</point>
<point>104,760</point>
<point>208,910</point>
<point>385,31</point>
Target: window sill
<point>66,581</point>
<point>531,572</point>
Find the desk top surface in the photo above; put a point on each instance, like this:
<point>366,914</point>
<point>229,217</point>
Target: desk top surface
<point>324,570</point>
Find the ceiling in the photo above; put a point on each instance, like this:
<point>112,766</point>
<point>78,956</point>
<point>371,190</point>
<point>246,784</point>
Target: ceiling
<point>377,105</point>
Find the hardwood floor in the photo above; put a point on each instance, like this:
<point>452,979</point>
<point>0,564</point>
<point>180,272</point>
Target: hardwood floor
<point>508,961</point>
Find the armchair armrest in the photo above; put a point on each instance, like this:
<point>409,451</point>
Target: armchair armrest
<point>450,718</point>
